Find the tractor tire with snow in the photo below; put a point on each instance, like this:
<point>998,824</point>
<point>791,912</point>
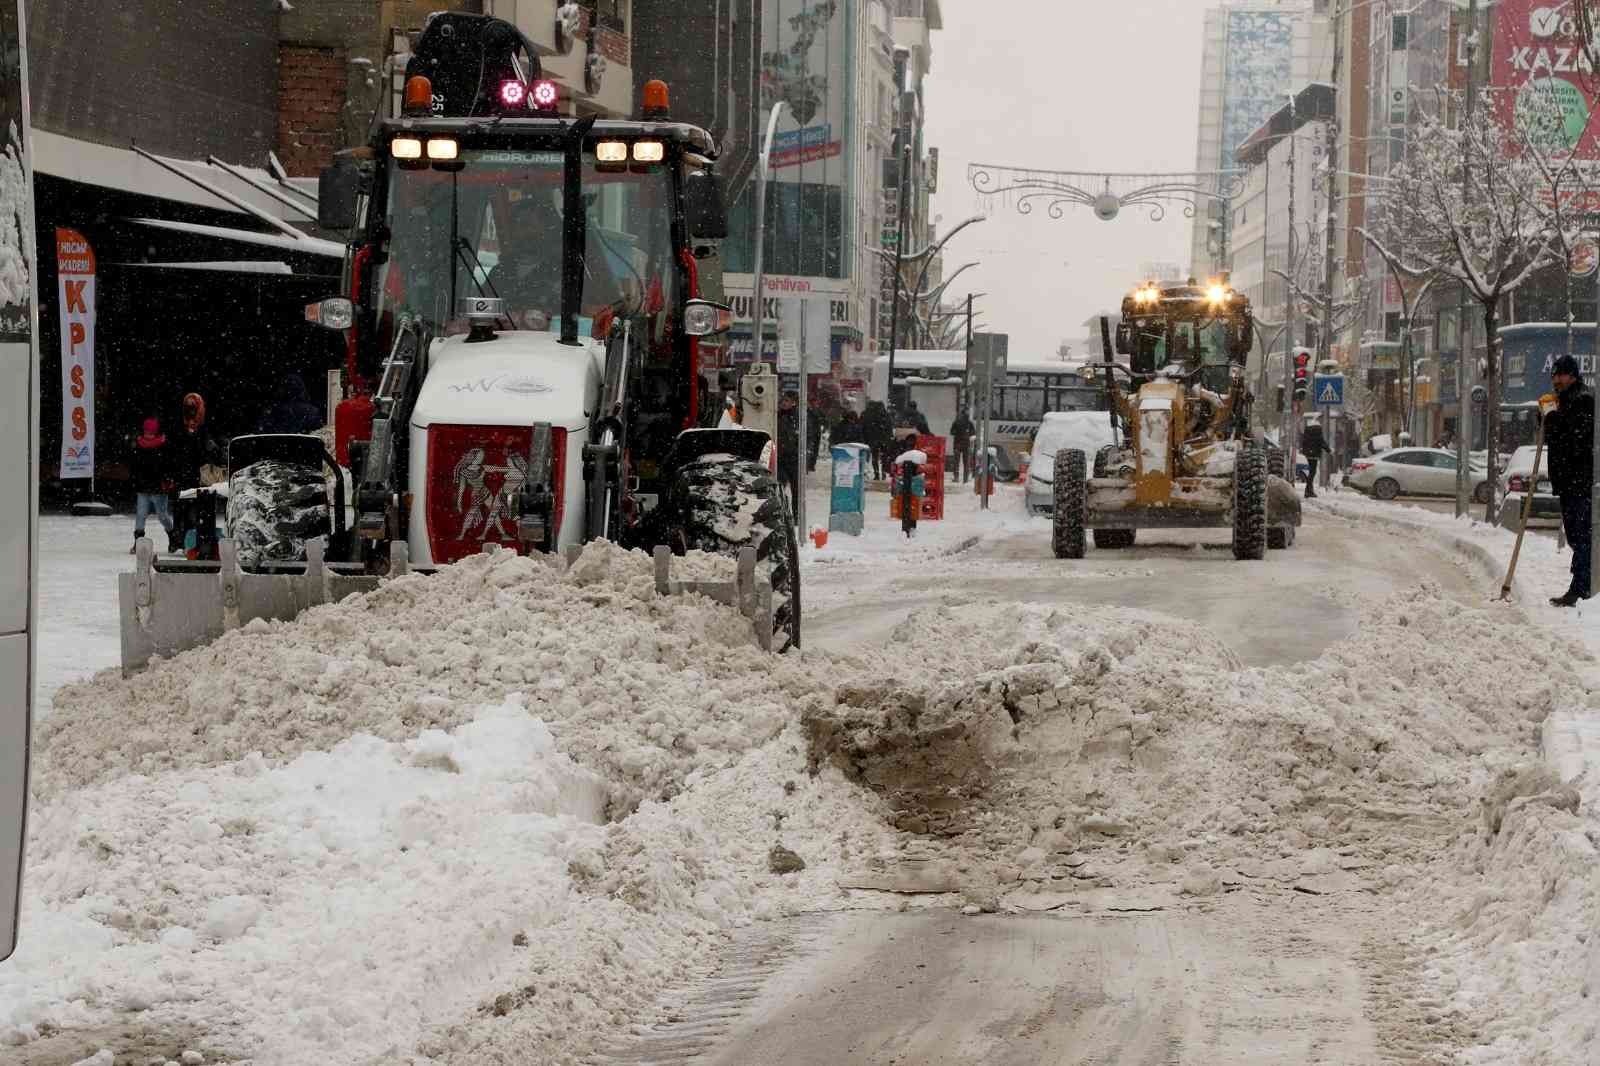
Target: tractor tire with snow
<point>1113,539</point>
<point>274,507</point>
<point>1071,503</point>
<point>728,504</point>
<point>1277,461</point>
<point>1250,504</point>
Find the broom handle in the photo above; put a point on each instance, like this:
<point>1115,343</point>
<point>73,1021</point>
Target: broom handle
<point>1527,508</point>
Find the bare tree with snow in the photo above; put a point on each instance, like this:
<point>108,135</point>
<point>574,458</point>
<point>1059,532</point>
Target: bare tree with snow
<point>1471,204</point>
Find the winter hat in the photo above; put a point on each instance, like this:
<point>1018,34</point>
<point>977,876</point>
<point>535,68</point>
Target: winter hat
<point>152,427</point>
<point>1566,364</point>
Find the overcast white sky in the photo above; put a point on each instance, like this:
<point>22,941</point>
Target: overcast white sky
<point>1071,85</point>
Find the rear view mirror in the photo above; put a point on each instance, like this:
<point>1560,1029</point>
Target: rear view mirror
<point>705,205</point>
<point>338,191</point>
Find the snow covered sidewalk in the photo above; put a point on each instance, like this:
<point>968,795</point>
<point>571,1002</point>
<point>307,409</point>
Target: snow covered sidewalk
<point>1520,951</point>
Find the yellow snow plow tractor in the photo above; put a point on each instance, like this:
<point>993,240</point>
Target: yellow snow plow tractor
<point>1184,456</point>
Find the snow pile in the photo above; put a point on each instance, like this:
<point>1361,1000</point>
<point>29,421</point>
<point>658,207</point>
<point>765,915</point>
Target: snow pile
<point>1511,931</point>
<point>643,688</point>
<point>1143,736</point>
<point>380,831</point>
<point>323,908</point>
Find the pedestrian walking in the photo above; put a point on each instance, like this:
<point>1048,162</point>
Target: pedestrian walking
<point>152,480</point>
<point>1569,443</point>
<point>912,486</point>
<point>962,431</point>
<point>877,427</point>
<point>789,444</point>
<point>1313,447</point>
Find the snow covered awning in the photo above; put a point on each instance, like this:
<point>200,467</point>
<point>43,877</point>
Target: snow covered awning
<point>1314,103</point>
<point>123,169</point>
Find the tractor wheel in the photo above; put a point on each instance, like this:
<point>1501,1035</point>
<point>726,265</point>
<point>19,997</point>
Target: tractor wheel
<point>1280,537</point>
<point>274,507</point>
<point>1277,461</point>
<point>1071,501</point>
<point>1250,504</point>
<point>728,504</point>
<point>1113,539</point>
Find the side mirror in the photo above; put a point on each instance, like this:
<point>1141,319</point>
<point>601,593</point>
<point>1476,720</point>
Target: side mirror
<point>1124,339</point>
<point>705,205</point>
<point>333,313</point>
<point>702,318</point>
<point>338,190</point>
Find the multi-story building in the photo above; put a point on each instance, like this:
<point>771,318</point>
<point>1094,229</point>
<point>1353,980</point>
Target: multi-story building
<point>1296,134</point>
<point>1254,53</point>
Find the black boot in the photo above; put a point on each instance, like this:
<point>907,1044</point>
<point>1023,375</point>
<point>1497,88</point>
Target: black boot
<point>1568,598</point>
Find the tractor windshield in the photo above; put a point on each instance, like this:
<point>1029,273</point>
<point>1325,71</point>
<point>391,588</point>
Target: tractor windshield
<point>494,228</point>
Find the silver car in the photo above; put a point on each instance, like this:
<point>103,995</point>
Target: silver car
<point>1088,431</point>
<point>1515,484</point>
<point>1414,472</point>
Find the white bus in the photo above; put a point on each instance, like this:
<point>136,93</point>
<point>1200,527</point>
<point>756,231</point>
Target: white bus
<point>937,381</point>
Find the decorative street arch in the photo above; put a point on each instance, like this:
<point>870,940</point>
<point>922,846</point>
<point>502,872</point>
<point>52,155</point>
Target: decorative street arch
<point>1106,193</point>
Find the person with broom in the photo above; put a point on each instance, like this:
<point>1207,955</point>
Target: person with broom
<point>1569,440</point>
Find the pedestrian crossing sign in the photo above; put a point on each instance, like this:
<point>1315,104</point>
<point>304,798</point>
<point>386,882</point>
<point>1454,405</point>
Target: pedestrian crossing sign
<point>1328,390</point>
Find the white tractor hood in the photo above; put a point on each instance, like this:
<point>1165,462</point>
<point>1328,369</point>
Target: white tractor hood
<point>516,379</point>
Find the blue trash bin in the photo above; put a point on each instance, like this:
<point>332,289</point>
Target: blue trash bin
<point>849,497</point>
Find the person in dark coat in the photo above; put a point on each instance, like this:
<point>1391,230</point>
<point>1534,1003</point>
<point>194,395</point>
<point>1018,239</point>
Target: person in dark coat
<point>789,444</point>
<point>915,417</point>
<point>1313,447</point>
<point>814,420</point>
<point>910,503</point>
<point>152,479</point>
<point>1569,443</point>
<point>848,429</point>
<point>877,428</point>
<point>962,431</point>
<point>293,412</point>
<point>192,447</point>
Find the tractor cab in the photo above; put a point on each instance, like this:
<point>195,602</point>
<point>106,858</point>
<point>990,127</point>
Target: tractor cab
<point>512,267</point>
<point>1186,331</point>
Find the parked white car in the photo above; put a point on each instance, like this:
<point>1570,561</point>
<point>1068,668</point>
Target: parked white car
<point>1414,472</point>
<point>1088,431</point>
<point>1515,484</point>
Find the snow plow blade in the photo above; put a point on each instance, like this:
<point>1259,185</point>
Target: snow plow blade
<point>1192,503</point>
<point>169,606</point>
<point>172,606</point>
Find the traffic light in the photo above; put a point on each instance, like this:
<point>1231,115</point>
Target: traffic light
<point>1302,373</point>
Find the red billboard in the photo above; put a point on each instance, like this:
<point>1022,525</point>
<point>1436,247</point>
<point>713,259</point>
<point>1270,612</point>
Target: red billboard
<point>1542,76</point>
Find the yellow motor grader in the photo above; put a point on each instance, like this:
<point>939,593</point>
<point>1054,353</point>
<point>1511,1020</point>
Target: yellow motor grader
<point>1181,411</point>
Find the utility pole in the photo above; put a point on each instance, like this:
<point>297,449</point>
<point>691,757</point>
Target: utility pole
<point>1331,158</point>
<point>1463,399</point>
<point>902,61</point>
<point>1594,490</point>
<point>1289,437</point>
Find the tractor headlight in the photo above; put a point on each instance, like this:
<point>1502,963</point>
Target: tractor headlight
<point>702,318</point>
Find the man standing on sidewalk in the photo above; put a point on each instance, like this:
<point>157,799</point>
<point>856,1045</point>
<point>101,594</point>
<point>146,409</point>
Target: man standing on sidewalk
<point>1569,440</point>
<point>1313,447</point>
